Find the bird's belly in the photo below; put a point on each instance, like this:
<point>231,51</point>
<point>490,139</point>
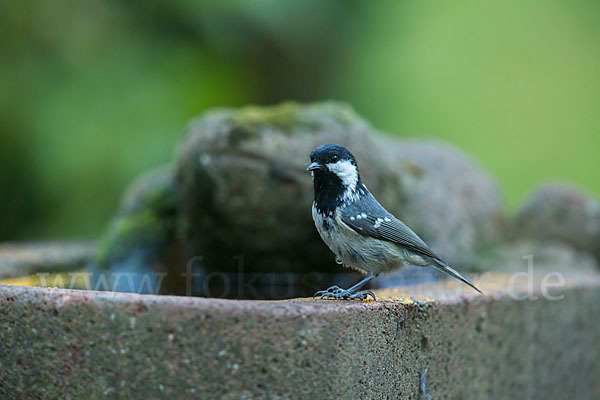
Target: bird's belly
<point>365,254</point>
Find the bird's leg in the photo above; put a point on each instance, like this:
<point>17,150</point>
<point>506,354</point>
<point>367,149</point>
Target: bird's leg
<point>423,386</point>
<point>335,292</point>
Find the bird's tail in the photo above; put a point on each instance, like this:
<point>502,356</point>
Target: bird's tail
<point>444,267</point>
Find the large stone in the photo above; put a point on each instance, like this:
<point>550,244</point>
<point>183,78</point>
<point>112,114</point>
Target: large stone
<point>239,197</point>
<point>541,257</point>
<point>558,212</point>
<point>243,189</point>
<point>447,199</point>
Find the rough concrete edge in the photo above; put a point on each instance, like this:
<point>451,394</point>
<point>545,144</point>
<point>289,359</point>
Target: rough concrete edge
<point>441,293</point>
<point>178,304</point>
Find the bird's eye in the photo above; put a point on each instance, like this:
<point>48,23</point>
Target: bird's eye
<point>334,159</point>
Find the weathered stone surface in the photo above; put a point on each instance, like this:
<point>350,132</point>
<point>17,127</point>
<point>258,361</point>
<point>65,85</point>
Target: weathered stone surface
<point>560,212</point>
<point>75,344</point>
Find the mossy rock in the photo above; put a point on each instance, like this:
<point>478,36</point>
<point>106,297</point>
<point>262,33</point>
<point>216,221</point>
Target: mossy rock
<point>239,190</point>
<point>145,221</point>
<point>559,212</point>
<point>243,189</point>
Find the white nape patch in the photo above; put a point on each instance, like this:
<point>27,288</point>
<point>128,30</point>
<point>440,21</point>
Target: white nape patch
<point>351,195</point>
<point>378,223</point>
<point>346,171</point>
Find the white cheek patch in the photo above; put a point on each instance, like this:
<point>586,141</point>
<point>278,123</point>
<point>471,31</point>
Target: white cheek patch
<point>346,171</point>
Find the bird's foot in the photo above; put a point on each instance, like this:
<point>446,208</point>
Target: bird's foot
<point>333,290</point>
<point>336,292</point>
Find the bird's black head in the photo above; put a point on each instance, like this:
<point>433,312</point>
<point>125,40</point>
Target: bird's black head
<point>331,154</point>
<point>335,176</point>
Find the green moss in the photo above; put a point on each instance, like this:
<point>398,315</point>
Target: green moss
<point>342,112</point>
<point>414,169</point>
<point>132,224</point>
<point>125,232</point>
<point>146,219</point>
<point>283,116</point>
<point>288,116</point>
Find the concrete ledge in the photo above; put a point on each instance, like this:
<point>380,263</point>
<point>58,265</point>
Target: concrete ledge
<point>58,343</point>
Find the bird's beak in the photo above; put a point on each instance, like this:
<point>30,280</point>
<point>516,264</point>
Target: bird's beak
<point>314,166</point>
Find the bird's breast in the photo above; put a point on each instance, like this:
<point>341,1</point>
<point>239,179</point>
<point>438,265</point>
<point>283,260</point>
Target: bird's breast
<point>323,221</point>
<point>341,240</point>
<point>365,254</point>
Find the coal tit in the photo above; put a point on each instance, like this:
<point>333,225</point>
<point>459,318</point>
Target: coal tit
<point>359,231</point>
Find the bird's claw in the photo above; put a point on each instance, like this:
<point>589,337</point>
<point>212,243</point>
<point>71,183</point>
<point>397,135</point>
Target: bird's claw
<point>362,295</point>
<point>335,292</point>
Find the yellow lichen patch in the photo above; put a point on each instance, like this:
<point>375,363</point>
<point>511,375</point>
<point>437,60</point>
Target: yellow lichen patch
<point>489,283</point>
<point>398,295</point>
<point>70,280</point>
<point>401,296</point>
<point>21,281</point>
<point>493,282</point>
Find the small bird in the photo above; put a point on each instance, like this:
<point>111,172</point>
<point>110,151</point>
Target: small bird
<point>359,231</point>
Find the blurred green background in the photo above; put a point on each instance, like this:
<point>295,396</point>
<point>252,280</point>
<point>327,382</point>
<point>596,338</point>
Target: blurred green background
<point>94,92</point>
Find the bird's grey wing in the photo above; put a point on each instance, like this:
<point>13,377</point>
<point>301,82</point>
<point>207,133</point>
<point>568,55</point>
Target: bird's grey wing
<point>368,218</point>
<point>372,220</point>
